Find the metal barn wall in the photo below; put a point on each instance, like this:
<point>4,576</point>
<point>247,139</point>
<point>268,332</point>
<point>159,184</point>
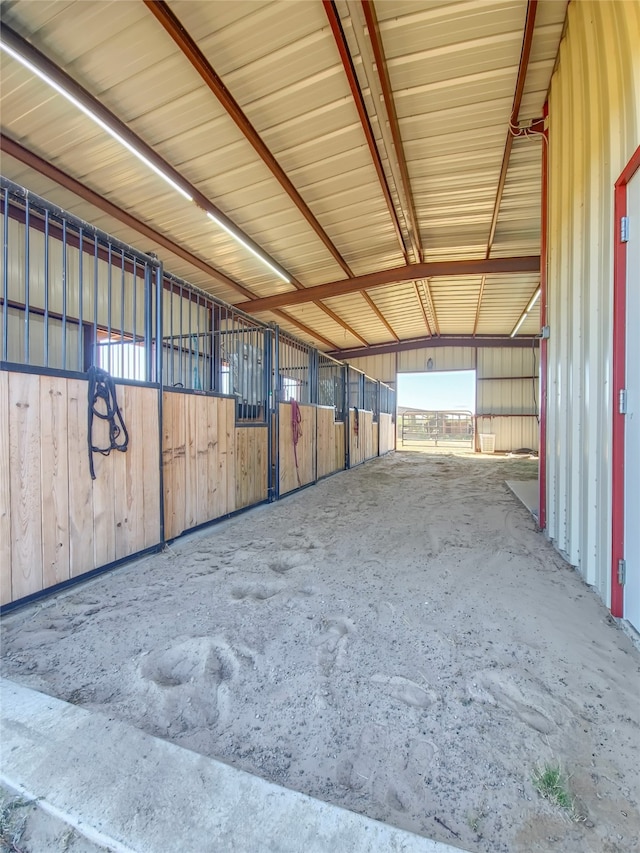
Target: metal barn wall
<point>507,396</point>
<point>507,400</point>
<point>593,131</point>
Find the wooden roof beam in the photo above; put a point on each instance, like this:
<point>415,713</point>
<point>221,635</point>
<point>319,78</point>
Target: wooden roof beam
<point>410,272</point>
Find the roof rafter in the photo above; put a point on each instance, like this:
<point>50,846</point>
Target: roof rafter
<point>91,103</point>
<point>410,272</point>
<point>358,98</point>
<point>527,40</point>
<point>394,125</point>
<point>441,341</point>
<point>178,33</point>
<point>23,155</point>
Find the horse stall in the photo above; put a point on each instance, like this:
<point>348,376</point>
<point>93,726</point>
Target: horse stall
<point>140,407</point>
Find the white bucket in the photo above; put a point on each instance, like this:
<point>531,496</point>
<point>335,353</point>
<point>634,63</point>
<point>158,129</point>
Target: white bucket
<point>487,442</point>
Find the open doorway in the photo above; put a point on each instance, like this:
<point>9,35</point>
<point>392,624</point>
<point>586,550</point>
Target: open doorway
<point>437,409</point>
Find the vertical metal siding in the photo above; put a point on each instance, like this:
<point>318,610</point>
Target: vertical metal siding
<point>594,128</point>
<point>505,387</point>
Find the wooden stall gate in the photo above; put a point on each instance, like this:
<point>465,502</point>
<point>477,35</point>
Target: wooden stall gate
<point>387,434</point>
<point>331,450</point>
<point>291,478</point>
<point>56,523</point>
<point>362,437</point>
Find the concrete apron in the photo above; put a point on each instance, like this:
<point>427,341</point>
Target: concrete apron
<point>129,791</point>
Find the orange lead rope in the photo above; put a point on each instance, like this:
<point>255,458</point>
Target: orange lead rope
<point>296,432</point>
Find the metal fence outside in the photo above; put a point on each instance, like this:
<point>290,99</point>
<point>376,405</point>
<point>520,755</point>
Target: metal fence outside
<point>437,428</point>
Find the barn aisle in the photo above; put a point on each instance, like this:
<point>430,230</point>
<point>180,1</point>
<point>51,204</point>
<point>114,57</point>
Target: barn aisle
<point>398,640</point>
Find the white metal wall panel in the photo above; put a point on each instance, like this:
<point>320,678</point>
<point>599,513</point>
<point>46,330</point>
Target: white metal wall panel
<point>382,367</point>
<point>594,127</point>
<point>443,358</point>
<point>511,433</point>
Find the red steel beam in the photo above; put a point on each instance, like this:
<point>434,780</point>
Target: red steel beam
<point>385,83</point>
<point>379,315</point>
<point>23,155</point>
<point>424,310</point>
<point>529,26</point>
<point>525,53</point>
<point>410,272</point>
<point>441,341</point>
<point>394,125</point>
<point>358,98</point>
<point>198,60</point>
<point>176,31</point>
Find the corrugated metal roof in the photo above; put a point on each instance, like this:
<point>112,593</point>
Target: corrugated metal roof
<point>452,68</point>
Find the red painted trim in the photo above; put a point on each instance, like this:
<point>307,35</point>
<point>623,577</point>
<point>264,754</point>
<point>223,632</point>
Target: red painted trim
<point>544,229</point>
<point>619,378</point>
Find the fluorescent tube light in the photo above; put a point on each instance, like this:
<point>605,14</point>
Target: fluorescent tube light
<point>525,313</point>
<point>242,242</point>
<point>533,301</point>
<point>62,91</point>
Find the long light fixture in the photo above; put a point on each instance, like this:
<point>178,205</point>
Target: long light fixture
<point>249,248</point>
<point>115,135</point>
<point>525,313</point>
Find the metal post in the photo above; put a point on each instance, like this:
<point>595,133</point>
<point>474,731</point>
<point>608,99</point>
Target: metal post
<point>159,279</point>
<point>26,283</point>
<point>276,413</point>
<point>46,288</point>
<point>80,359</point>
<point>5,277</point>
<point>148,322</point>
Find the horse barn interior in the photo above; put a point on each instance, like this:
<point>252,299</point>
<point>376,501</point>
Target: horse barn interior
<point>229,227</point>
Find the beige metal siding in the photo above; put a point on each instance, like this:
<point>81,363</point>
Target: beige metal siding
<point>507,396</point>
<point>442,358</point>
<point>594,129</point>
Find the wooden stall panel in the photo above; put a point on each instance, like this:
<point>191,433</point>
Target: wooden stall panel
<point>375,440</point>
<point>173,462</point>
<point>198,457</point>
<point>305,451</point>
<point>330,442</point>
<point>339,461</point>
<point>25,484</point>
<point>387,433</point>
<point>81,551</point>
<point>147,416</point>
<point>361,443</point>
<point>54,471</point>
<point>251,466</point>
<point>5,493</point>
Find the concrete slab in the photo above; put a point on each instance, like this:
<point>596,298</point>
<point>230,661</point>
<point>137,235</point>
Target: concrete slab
<point>527,492</point>
<point>129,791</point>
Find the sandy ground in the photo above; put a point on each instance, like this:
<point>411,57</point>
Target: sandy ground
<point>398,640</point>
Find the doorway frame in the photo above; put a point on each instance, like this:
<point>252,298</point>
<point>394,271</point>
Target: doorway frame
<point>619,380</point>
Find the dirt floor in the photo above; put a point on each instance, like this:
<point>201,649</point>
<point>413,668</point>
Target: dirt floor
<point>398,639</point>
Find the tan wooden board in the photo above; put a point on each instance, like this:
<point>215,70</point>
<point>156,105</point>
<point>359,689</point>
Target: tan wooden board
<point>305,450</point>
<point>81,532</point>
<point>54,470</point>
<point>25,484</point>
<point>150,466</point>
<point>5,492</point>
<point>251,465</point>
<point>330,438</point>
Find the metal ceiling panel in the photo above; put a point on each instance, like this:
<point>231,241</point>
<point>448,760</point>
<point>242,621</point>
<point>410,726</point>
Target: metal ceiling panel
<point>452,67</point>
